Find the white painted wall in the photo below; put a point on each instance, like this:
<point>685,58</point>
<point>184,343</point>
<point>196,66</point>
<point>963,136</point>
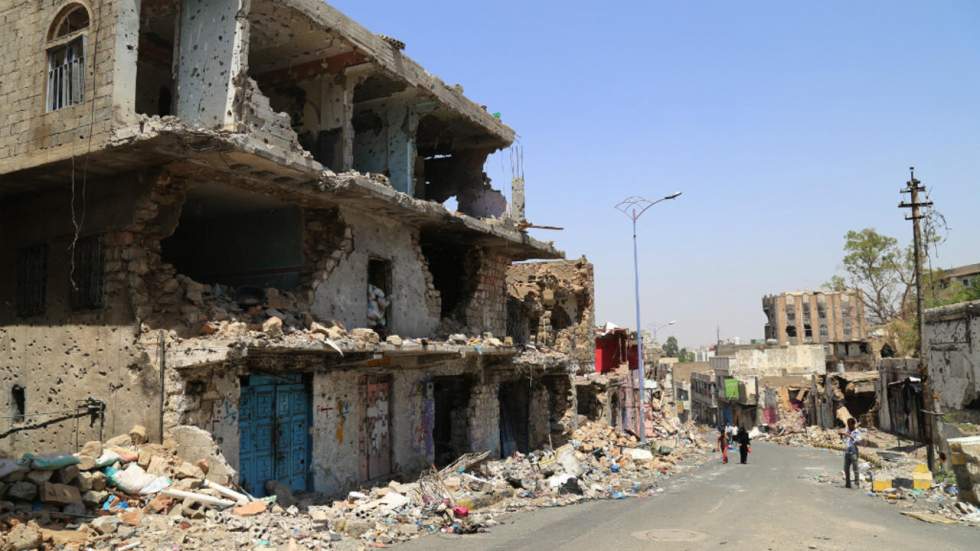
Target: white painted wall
<point>951,334</point>
<point>343,296</point>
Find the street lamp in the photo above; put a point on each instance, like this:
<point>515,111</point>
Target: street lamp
<point>634,207</point>
<point>661,326</point>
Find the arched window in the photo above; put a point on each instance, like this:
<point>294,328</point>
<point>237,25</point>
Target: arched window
<point>66,57</point>
<point>71,19</point>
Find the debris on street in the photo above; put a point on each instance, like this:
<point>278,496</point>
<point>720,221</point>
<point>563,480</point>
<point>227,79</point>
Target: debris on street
<point>128,493</point>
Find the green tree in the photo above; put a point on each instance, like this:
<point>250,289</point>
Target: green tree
<point>685,356</point>
<point>878,269</point>
<point>670,347</point>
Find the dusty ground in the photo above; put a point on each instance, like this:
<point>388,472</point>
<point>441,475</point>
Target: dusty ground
<point>773,503</point>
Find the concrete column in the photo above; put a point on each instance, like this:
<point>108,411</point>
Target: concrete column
<point>336,114</point>
<point>402,122</point>
<point>517,209</point>
<point>212,56</point>
<point>125,55</point>
<point>781,336</point>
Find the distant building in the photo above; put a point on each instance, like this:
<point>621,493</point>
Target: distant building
<point>704,399</point>
<point>740,370</point>
<point>965,275</point>
<point>680,384</point>
<point>814,317</point>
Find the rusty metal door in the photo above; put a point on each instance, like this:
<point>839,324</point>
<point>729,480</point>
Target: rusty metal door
<point>377,427</point>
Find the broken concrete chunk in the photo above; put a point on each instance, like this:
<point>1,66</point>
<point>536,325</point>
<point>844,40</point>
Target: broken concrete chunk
<point>638,454</point>
<point>157,466</point>
<point>86,462</point>
<point>366,335</point>
<point>272,327</point>
<point>137,435</point>
<point>194,444</point>
<point>23,537</point>
<point>105,525</point>
<point>187,470</point>
<point>394,340</point>
<point>92,448</point>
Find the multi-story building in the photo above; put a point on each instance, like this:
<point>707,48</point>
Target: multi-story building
<point>966,275</point>
<point>229,214</point>
<point>814,317</point>
<point>738,371</point>
<point>704,398</point>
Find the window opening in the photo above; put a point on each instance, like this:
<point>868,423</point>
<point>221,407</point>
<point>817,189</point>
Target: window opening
<point>32,276</point>
<point>379,292</point>
<point>242,241</point>
<point>19,396</point>
<point>73,19</point>
<point>87,284</point>
<point>790,331</point>
<point>155,60</point>
<point>66,75</point>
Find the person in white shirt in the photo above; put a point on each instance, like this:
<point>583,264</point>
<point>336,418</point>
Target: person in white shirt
<point>851,438</point>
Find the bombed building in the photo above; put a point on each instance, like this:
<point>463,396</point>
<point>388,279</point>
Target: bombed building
<point>230,214</point>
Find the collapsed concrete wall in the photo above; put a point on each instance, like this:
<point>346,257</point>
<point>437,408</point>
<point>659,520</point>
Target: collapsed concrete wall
<point>553,304</point>
<point>392,243</point>
<point>954,355</point>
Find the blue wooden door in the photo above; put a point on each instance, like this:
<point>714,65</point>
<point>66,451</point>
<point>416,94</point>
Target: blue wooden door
<point>274,426</point>
<point>292,434</point>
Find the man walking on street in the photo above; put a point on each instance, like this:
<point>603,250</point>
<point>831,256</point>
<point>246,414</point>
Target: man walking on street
<point>851,438</point>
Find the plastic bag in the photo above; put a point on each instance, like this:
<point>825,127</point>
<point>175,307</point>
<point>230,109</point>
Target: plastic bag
<point>107,458</point>
<point>131,480</point>
<point>159,483</point>
<point>9,466</point>
<point>50,462</point>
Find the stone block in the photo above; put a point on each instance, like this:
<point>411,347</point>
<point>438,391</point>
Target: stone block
<point>22,491</point>
<point>61,494</point>
<point>38,477</point>
<point>68,474</point>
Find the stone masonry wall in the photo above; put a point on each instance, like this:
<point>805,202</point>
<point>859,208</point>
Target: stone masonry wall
<point>29,135</point>
<point>487,307</point>
<point>65,355</point>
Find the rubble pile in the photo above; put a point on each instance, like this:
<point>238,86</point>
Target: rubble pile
<point>126,493</point>
<point>895,473</point>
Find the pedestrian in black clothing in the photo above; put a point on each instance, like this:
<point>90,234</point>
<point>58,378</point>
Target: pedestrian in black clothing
<point>743,444</point>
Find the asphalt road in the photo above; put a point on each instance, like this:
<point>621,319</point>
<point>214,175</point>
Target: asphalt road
<point>771,503</point>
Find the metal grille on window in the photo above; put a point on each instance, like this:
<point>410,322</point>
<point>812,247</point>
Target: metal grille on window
<point>32,275</point>
<point>66,75</point>
<point>86,293</point>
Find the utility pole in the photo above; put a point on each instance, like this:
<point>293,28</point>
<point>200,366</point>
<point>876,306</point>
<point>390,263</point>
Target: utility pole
<point>913,187</point>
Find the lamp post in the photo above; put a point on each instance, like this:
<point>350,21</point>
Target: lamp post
<point>634,207</point>
<point>661,326</point>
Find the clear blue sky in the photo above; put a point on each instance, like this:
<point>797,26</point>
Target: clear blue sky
<point>785,124</point>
